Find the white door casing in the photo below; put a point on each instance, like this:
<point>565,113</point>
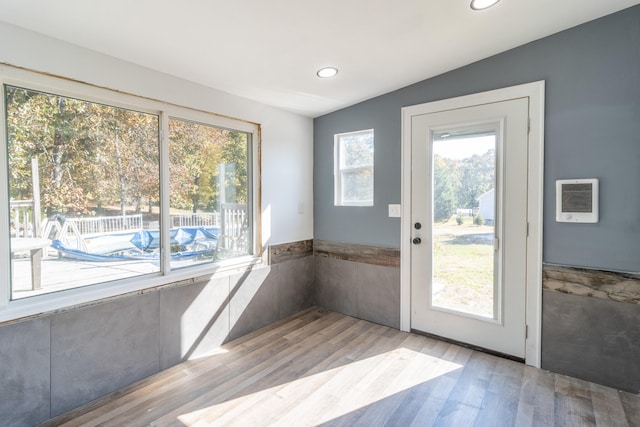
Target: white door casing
<point>527,216</point>
<point>503,328</point>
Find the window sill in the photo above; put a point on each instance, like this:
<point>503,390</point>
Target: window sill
<point>354,204</point>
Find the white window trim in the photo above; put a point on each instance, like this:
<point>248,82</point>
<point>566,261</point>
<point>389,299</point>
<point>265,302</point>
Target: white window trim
<point>56,301</point>
<point>337,172</point>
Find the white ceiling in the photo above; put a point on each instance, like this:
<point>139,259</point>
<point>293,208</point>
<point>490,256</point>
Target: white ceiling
<point>270,50</point>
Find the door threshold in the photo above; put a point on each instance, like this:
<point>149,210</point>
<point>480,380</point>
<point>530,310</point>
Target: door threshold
<point>469,346</point>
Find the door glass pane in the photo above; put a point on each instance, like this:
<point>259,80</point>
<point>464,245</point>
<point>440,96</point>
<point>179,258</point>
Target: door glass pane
<point>464,214</point>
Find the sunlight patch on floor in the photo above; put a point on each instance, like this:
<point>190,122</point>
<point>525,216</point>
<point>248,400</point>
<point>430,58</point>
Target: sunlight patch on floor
<point>328,394</point>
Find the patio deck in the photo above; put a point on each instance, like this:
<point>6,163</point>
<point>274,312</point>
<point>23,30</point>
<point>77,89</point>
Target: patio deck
<point>63,273</point>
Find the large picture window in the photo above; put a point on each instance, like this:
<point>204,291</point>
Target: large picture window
<point>85,190</point>
<point>83,185</point>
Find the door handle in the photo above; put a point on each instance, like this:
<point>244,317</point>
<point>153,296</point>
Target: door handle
<point>417,240</point>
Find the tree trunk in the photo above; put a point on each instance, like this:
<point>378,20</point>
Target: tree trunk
<point>121,178</point>
<point>195,196</point>
<point>58,148</point>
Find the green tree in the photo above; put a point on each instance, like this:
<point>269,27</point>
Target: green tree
<point>88,153</point>
<point>93,155</point>
<point>235,152</point>
<point>444,199</point>
<point>190,154</point>
<point>196,153</point>
<point>356,149</point>
<point>129,157</point>
<point>477,176</point>
<point>51,129</point>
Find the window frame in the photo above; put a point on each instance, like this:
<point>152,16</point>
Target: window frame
<point>338,172</point>
<point>58,300</point>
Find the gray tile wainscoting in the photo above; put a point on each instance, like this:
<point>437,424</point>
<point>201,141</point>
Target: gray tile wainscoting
<point>590,325</point>
<point>260,297</point>
<point>25,372</point>
<point>194,320</point>
<point>58,361</point>
<point>98,349</point>
<point>379,294</point>
<point>253,300</point>
<point>358,280</point>
<point>337,285</point>
<point>295,285</point>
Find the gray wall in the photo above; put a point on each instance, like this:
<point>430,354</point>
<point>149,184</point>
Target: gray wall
<point>593,339</point>
<point>592,129</point>
<point>53,364</point>
<point>358,289</point>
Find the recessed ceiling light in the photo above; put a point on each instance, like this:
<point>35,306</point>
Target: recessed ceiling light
<point>327,72</point>
<point>482,4</point>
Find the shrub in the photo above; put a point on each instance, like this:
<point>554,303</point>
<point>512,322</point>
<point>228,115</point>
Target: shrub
<point>478,220</point>
<point>459,220</point>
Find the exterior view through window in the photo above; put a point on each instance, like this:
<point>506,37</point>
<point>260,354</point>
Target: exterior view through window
<point>85,197</point>
<point>354,168</point>
<point>464,220</point>
<point>208,192</point>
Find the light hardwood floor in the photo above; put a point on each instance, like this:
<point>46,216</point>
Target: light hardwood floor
<point>324,368</point>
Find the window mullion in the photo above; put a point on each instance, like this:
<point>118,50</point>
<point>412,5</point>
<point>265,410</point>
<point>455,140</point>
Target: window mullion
<point>357,169</point>
<point>5,255</point>
<point>165,219</point>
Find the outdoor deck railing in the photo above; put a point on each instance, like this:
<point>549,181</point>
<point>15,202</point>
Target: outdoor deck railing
<point>233,222</point>
<point>200,219</point>
<point>234,227</point>
<point>107,224</point>
<point>25,214</point>
<point>22,218</point>
<point>72,231</point>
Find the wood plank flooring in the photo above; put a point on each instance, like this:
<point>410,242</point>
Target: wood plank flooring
<point>322,368</point>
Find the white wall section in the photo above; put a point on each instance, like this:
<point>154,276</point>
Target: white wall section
<point>287,139</point>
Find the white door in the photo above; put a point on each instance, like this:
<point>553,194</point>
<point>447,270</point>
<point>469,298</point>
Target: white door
<point>469,224</point>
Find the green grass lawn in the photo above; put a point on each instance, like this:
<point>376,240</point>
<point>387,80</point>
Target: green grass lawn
<point>464,267</point>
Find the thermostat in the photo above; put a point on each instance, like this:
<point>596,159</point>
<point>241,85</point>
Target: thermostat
<point>577,200</point>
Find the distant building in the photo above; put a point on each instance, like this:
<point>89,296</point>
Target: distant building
<point>487,206</point>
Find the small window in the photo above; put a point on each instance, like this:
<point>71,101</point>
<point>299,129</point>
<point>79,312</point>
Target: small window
<point>353,169</point>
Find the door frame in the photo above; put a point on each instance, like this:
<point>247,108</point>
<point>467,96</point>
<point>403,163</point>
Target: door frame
<point>535,177</point>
